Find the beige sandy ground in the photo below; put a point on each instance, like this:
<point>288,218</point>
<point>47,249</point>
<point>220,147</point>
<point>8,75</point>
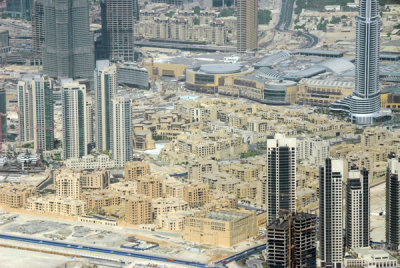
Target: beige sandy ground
<point>377,205</point>
<point>15,258</point>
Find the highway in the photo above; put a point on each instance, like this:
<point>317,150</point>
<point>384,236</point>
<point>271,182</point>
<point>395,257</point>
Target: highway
<point>240,256</point>
<point>102,250</point>
<point>285,20</point>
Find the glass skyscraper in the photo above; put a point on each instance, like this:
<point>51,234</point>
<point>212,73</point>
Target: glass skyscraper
<point>363,105</point>
<point>68,49</point>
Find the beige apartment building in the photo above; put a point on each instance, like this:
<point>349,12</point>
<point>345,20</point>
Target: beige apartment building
<point>101,161</point>
<point>135,170</point>
<point>198,168</point>
<point>96,200</point>
<point>125,188</point>
<point>196,195</point>
<point>173,188</point>
<point>150,186</point>
<point>243,172</point>
<point>138,210</point>
<point>57,205</point>
<point>173,222</point>
<point>95,180</point>
<point>168,206</point>
<point>16,195</point>
<point>223,228</point>
<point>68,183</point>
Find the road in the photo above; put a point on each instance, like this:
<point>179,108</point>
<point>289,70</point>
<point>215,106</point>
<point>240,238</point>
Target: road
<point>285,20</point>
<point>240,256</point>
<point>102,250</point>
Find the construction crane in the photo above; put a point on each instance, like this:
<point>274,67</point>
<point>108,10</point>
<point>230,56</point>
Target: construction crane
<point>1,131</point>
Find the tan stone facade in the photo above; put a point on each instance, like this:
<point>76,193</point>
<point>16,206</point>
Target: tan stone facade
<point>67,183</point>
<point>99,199</point>
<point>95,180</point>
<point>223,228</point>
<point>138,210</point>
<point>196,195</point>
<point>150,186</point>
<point>16,195</point>
<point>57,205</point>
<point>137,169</point>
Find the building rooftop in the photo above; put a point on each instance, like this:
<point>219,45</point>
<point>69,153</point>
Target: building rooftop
<point>224,215</point>
<point>221,68</point>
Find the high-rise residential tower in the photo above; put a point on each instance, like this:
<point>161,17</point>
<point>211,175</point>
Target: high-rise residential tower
<point>106,87</point>
<point>291,241</point>
<point>3,110</point>
<point>35,101</point>
<point>247,25</point>
<point>121,146</point>
<point>37,26</point>
<point>25,106</point>
<point>357,209</point>
<point>68,49</point>
<point>393,203</point>
<point>281,175</point>
<point>74,120</point>
<point>363,105</point>
<point>331,179</point>
<point>117,22</point>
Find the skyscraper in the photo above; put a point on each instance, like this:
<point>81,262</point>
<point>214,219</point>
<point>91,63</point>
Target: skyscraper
<point>247,25</point>
<point>331,212</point>
<point>136,10</point>
<point>117,22</point>
<point>357,209</point>
<point>90,124</point>
<point>106,88</point>
<point>393,203</point>
<point>121,146</point>
<point>35,101</point>
<point>19,8</point>
<point>281,175</point>
<point>74,120</point>
<point>68,49</point>
<point>37,26</point>
<point>3,110</point>
<point>291,241</point>
<point>25,104</point>
<point>363,105</point>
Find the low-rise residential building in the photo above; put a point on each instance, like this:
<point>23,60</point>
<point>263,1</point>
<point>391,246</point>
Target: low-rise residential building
<point>101,161</point>
<point>198,168</point>
<point>125,188</point>
<point>95,180</point>
<point>136,169</point>
<point>168,206</point>
<point>138,210</point>
<point>68,183</point>
<point>150,186</point>
<point>16,195</point>
<point>57,205</point>
<point>96,200</point>
<point>196,195</point>
<point>223,228</point>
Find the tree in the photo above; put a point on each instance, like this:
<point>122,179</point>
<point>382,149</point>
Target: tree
<point>264,17</point>
<point>226,12</point>
<point>170,14</point>
<point>196,21</point>
<point>196,10</point>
